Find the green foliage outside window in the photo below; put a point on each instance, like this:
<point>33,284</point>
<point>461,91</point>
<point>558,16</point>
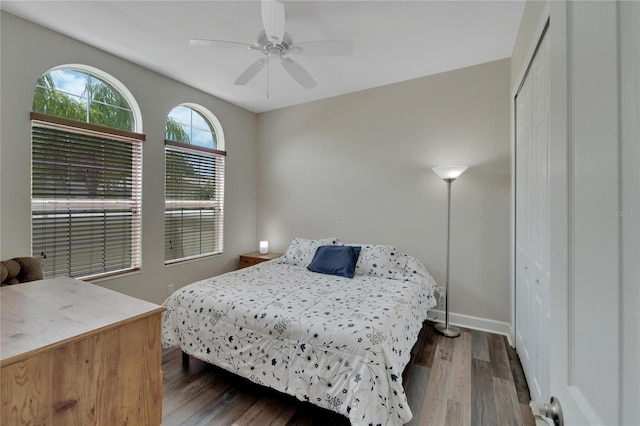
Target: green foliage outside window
<point>98,103</point>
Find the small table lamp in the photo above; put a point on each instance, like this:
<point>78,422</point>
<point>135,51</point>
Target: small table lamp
<point>264,247</point>
<point>448,174</point>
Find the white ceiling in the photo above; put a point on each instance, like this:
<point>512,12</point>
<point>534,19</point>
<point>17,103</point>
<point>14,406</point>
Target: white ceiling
<point>392,40</point>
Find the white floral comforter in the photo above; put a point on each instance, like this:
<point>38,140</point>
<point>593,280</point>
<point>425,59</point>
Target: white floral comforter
<point>338,343</point>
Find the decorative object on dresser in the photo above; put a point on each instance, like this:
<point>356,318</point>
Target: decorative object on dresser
<point>448,174</point>
<point>253,258</point>
<point>72,352</point>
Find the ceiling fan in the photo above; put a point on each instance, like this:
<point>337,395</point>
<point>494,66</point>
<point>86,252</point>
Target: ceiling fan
<point>274,43</point>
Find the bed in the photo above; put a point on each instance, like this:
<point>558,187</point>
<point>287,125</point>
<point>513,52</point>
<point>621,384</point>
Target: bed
<point>339,343</point>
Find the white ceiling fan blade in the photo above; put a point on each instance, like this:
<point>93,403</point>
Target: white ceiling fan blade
<point>298,73</point>
<point>251,72</point>
<point>221,43</point>
<point>273,20</point>
<point>323,48</point>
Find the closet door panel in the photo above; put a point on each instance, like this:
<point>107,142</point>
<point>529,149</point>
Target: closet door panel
<point>532,224</point>
<point>523,223</point>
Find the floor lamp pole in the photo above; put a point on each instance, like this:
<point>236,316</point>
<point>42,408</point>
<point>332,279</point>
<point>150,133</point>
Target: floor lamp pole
<point>446,329</point>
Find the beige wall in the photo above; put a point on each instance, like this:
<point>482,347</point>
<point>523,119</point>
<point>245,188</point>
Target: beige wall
<point>358,167</point>
<point>27,52</point>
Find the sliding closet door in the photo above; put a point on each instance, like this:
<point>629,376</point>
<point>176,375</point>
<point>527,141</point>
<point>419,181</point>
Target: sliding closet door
<point>532,223</point>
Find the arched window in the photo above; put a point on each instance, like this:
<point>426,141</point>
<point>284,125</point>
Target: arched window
<point>86,174</point>
<point>194,183</point>
<point>83,93</point>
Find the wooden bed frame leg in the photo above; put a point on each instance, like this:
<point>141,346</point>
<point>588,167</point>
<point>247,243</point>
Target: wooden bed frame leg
<point>185,360</point>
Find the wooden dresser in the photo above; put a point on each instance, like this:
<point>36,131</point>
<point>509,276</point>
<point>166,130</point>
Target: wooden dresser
<point>76,353</point>
<point>250,259</point>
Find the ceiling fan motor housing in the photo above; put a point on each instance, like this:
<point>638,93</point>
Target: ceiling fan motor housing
<point>279,50</point>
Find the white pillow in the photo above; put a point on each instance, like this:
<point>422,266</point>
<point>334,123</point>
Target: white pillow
<point>381,261</point>
<point>301,250</point>
<point>415,268</point>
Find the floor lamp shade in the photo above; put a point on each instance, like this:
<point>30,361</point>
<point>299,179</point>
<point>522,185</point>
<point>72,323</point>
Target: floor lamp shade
<point>448,174</point>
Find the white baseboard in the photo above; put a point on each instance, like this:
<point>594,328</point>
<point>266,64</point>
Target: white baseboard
<point>475,323</point>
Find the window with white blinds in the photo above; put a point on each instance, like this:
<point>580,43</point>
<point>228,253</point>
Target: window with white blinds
<point>86,197</point>
<point>194,198</point>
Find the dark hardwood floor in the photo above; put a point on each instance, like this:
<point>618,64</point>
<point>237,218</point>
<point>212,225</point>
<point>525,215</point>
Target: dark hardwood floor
<point>474,379</point>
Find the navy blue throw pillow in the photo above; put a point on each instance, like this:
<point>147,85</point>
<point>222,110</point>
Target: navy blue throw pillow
<point>335,260</point>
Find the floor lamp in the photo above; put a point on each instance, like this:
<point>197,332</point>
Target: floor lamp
<point>448,174</point>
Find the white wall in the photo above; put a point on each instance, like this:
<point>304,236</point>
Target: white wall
<point>27,52</point>
<point>358,167</point>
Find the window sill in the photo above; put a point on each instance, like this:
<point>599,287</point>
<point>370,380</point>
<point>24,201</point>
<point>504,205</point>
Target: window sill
<point>191,259</point>
<point>107,277</point>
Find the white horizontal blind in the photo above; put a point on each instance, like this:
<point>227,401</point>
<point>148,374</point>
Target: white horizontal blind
<point>194,198</point>
<point>85,201</point>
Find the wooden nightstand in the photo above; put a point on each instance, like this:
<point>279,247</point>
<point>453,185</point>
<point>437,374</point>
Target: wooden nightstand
<point>250,259</point>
